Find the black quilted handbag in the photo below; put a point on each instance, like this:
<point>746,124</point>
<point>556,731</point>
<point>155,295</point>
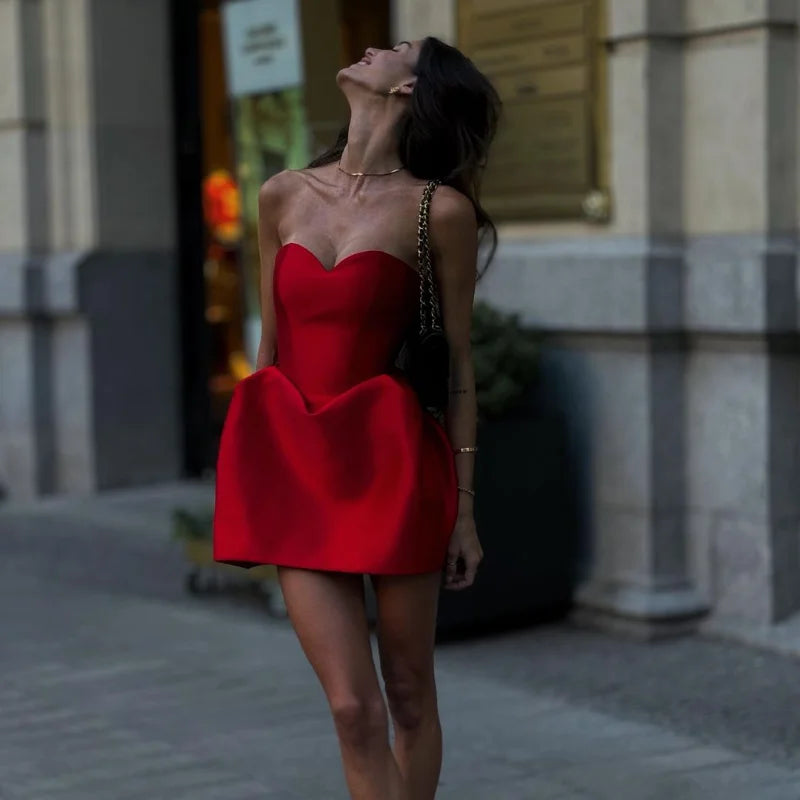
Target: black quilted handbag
<point>427,363</point>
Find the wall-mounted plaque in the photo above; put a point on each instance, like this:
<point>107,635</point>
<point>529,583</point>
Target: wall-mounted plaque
<point>545,57</point>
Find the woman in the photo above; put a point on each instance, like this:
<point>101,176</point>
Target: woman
<point>329,467</point>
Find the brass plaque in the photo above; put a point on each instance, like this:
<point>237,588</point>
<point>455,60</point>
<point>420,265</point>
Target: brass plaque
<point>525,22</point>
<point>526,55</point>
<point>545,59</point>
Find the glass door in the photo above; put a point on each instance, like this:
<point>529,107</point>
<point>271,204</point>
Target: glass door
<point>254,94</point>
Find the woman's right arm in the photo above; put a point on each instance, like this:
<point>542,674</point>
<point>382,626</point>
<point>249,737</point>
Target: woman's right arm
<point>270,201</point>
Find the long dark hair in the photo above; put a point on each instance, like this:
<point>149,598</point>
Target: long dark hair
<point>447,131</point>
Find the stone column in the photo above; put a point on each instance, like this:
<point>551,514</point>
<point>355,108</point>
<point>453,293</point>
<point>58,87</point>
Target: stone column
<point>741,222</point>
<point>73,234</point>
<point>25,419</point>
<point>640,580</point>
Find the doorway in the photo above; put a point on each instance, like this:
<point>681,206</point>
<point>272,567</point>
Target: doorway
<point>225,147</point>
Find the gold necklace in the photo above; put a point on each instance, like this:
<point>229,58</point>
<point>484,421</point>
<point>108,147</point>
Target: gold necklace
<point>367,174</point>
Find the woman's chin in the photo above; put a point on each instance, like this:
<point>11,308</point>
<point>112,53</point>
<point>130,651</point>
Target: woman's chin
<point>343,75</point>
<point>348,76</point>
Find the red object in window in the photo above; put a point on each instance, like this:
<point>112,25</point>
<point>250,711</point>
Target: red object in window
<point>222,206</point>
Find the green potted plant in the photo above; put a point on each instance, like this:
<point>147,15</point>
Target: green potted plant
<point>505,356</point>
<point>522,504</point>
<point>194,530</point>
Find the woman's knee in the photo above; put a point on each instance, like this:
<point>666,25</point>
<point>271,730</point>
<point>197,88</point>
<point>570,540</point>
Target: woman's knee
<point>359,720</point>
<point>411,697</point>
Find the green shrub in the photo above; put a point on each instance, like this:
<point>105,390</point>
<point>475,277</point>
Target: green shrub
<point>192,525</point>
<point>506,358</point>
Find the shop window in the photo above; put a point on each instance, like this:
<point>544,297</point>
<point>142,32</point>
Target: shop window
<point>255,122</point>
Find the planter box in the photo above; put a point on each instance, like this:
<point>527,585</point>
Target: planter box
<point>524,513</point>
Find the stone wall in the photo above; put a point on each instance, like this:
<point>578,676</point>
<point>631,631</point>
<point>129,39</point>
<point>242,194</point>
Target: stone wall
<point>89,361</point>
<point>673,330</point>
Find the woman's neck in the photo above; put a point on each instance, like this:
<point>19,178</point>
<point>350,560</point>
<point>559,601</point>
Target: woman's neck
<point>371,140</point>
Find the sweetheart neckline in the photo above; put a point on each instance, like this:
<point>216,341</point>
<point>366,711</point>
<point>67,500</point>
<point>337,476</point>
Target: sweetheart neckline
<point>347,258</point>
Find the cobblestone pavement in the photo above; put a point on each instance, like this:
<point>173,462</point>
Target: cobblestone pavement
<point>118,686</point>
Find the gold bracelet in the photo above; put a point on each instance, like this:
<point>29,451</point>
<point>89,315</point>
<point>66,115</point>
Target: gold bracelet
<point>469,491</point>
<point>465,449</point>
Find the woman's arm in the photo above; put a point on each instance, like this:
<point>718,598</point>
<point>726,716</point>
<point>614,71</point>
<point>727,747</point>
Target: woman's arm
<point>454,241</point>
<point>270,198</point>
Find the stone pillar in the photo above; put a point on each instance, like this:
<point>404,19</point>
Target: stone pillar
<point>639,579</point>
<point>72,185</point>
<point>741,254</point>
<point>25,419</point>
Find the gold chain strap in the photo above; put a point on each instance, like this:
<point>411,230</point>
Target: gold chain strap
<point>429,311</point>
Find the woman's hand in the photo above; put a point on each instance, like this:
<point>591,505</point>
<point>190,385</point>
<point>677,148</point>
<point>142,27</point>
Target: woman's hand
<point>464,546</point>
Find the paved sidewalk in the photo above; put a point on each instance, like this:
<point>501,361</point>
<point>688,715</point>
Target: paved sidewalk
<point>117,686</point>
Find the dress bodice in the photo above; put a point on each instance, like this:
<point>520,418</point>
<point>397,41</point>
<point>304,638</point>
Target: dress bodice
<point>339,326</point>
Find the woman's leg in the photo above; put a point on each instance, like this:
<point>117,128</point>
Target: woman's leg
<point>327,612</point>
<point>406,631</point>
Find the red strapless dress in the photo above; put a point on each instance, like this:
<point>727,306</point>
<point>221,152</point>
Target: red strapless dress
<point>327,461</point>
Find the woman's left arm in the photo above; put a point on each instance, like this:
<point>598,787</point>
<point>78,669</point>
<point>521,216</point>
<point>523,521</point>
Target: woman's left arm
<point>454,243</point>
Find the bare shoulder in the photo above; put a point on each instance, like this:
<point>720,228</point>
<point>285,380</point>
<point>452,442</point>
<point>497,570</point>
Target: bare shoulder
<point>454,243</point>
<point>277,197</point>
<point>452,214</point>
<point>278,187</point>
<point>454,230</point>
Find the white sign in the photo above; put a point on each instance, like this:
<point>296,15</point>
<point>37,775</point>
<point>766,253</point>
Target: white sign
<point>262,46</point>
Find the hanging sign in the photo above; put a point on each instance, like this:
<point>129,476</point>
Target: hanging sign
<point>262,46</point>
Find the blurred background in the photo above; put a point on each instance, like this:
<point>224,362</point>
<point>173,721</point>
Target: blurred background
<point>637,357</point>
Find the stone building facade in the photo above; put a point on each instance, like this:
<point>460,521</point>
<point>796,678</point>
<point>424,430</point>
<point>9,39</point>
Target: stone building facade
<point>89,368</point>
<point>672,330</point>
